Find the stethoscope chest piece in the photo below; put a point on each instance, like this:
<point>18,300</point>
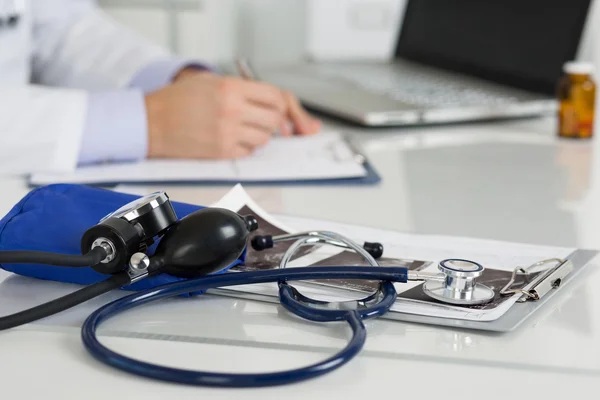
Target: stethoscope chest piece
<point>459,286</point>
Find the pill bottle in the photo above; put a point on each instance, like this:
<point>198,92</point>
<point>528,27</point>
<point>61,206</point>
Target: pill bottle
<point>576,98</point>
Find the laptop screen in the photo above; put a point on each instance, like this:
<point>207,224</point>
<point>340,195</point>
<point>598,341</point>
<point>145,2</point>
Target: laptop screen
<point>522,43</point>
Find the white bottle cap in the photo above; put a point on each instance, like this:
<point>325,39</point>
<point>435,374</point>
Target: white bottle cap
<point>579,68</point>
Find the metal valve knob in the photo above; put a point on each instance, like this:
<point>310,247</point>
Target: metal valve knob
<point>138,267</point>
<point>139,262</point>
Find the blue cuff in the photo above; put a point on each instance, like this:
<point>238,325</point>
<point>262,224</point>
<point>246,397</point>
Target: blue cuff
<point>161,73</point>
<point>116,128</point>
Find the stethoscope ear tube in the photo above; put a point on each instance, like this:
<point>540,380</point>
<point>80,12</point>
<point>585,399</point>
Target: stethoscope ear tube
<point>321,311</point>
<point>204,378</point>
<point>264,242</point>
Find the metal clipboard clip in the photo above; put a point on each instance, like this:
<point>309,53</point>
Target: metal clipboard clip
<point>359,157</point>
<point>548,279</point>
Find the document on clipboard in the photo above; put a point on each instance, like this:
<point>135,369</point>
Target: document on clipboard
<point>324,158</point>
<point>416,252</point>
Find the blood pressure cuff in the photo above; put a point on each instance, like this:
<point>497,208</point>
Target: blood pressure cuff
<point>53,219</point>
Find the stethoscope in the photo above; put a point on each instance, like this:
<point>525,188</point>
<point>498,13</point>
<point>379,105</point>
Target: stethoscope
<point>456,283</point>
<point>200,247</point>
<point>10,13</point>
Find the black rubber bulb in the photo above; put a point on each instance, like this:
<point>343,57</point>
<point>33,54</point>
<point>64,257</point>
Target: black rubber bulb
<point>203,242</point>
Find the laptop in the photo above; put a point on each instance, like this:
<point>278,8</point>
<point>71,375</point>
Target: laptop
<point>455,60</point>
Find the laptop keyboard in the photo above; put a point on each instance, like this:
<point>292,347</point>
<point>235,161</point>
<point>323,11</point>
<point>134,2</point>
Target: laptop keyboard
<point>415,87</point>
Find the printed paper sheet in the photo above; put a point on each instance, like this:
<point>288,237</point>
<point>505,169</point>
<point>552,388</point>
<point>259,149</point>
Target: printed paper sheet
<point>416,252</point>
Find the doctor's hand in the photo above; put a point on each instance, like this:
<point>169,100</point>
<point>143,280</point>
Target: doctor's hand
<point>204,115</point>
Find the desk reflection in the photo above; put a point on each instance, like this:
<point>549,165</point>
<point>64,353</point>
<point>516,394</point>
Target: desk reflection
<point>503,191</point>
<point>205,318</point>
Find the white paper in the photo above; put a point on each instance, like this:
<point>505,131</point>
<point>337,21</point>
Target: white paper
<point>501,257</point>
<point>321,157</point>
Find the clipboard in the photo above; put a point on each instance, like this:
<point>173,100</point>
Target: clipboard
<point>371,177</point>
<point>523,310</point>
<point>326,159</point>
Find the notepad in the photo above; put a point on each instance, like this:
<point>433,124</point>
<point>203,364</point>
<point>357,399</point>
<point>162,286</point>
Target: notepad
<point>326,157</point>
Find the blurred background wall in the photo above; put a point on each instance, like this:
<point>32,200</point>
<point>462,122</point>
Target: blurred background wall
<point>282,31</point>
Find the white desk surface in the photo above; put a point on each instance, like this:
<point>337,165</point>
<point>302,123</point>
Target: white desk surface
<point>511,181</point>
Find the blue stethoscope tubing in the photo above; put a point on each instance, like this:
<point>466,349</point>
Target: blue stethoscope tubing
<point>289,298</point>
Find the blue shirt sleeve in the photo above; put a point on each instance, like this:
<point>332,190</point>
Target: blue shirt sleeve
<point>116,122</point>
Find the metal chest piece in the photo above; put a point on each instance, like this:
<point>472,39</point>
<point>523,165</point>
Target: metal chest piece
<point>459,286</point>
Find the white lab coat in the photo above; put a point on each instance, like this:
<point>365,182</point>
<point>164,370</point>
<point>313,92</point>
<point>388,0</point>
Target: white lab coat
<point>56,54</point>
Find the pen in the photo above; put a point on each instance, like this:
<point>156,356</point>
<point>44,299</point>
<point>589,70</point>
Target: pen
<point>244,69</point>
<point>246,72</point>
